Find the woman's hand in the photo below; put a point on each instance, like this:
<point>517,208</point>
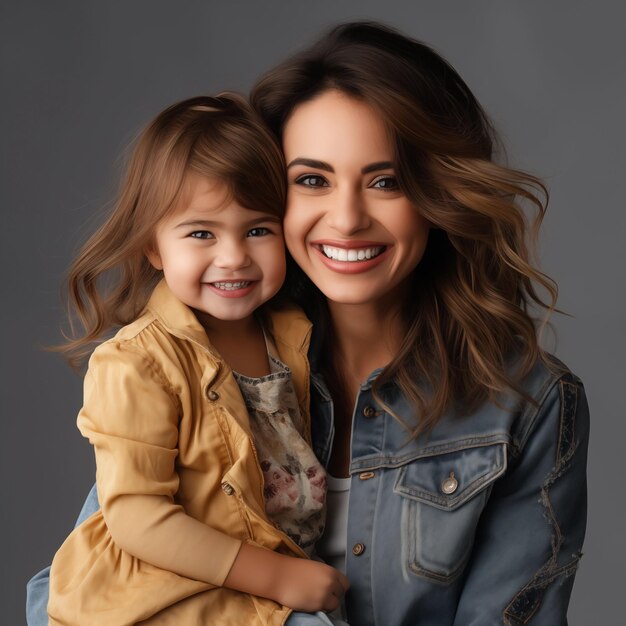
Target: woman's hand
<point>299,584</point>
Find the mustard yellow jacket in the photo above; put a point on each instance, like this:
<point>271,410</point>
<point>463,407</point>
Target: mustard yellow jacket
<point>178,478</point>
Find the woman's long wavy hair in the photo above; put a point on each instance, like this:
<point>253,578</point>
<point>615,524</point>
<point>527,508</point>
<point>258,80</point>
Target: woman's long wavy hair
<point>471,333</point>
<point>218,137</point>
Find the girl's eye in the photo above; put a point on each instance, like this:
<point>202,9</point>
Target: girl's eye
<point>312,180</point>
<point>259,231</point>
<point>386,183</point>
<point>201,234</point>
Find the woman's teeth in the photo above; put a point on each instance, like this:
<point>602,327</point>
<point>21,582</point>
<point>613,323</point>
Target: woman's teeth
<point>232,286</point>
<point>354,254</point>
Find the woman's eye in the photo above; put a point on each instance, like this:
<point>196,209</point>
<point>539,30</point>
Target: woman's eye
<point>259,232</point>
<point>201,234</point>
<point>311,180</point>
<point>386,183</point>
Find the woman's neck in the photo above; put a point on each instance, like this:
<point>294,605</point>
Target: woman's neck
<point>367,336</point>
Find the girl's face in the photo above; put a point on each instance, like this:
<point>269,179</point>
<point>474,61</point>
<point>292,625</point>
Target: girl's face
<point>218,257</point>
<point>348,226</point>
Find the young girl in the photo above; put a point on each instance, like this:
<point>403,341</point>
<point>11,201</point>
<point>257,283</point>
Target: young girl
<point>198,407</point>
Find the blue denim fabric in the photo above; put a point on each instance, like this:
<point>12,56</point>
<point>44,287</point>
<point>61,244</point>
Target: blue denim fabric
<point>480,522</point>
<point>313,619</point>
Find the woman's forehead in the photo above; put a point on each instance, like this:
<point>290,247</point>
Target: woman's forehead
<point>336,128</point>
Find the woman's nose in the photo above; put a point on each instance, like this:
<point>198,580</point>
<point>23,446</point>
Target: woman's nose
<point>347,214</point>
<point>231,255</point>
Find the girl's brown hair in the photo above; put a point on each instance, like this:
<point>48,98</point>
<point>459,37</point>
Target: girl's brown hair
<point>218,137</point>
<point>470,333</point>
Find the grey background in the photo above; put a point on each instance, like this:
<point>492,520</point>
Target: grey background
<point>79,79</point>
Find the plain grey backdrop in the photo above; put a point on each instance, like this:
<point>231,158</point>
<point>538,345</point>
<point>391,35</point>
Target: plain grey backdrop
<point>80,78</point>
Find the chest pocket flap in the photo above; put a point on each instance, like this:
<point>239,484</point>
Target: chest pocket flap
<point>447,481</point>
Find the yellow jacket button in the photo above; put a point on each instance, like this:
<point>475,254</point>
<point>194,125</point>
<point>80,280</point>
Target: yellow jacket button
<point>212,395</point>
<point>227,488</point>
<point>358,549</point>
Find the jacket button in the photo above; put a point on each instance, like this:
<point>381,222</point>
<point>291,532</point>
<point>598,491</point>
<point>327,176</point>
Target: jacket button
<point>366,475</point>
<point>212,395</point>
<point>358,549</point>
<point>227,488</point>
<point>369,411</point>
<point>450,484</point>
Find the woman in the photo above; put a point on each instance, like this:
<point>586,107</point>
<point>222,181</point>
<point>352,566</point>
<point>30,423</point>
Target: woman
<point>464,444</point>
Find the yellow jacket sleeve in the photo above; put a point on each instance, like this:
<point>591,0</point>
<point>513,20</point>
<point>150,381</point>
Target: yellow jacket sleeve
<point>130,415</point>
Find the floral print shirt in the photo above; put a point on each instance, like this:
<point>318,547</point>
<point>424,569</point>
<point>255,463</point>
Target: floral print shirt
<point>295,481</point>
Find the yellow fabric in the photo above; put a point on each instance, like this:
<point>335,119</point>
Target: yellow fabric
<point>178,479</point>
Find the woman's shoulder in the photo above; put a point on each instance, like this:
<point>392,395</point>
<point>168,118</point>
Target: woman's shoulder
<point>551,392</point>
<point>546,372</point>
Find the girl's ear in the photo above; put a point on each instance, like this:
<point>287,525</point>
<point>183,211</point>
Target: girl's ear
<point>152,254</point>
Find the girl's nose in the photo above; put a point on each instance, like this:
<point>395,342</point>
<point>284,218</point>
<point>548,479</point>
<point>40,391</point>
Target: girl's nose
<point>348,213</point>
<point>231,255</point>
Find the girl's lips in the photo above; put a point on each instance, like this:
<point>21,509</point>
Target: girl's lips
<point>230,292</point>
<point>351,267</point>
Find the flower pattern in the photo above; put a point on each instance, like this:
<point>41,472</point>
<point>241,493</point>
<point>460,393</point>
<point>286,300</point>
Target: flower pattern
<point>294,480</point>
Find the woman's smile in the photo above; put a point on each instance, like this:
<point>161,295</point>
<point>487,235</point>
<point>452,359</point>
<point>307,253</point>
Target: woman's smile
<point>351,257</point>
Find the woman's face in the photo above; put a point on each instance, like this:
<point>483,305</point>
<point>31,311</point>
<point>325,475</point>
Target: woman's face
<point>348,226</point>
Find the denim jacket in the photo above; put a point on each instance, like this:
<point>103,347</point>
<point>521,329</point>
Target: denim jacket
<point>479,523</point>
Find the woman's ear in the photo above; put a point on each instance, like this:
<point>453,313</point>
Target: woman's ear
<point>152,254</point>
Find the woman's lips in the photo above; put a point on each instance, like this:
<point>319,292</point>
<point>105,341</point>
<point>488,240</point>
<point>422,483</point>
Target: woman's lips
<point>350,257</point>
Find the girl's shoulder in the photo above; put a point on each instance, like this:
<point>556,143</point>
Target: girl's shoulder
<point>148,348</point>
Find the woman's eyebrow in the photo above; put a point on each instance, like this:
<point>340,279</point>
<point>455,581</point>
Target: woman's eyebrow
<point>319,165</point>
<point>327,167</point>
<point>374,167</point>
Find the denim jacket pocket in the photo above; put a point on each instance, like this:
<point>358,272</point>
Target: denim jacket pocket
<point>444,496</point>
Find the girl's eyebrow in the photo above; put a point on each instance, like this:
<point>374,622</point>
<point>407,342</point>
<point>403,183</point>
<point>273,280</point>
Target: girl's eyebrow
<point>213,224</point>
<point>327,167</point>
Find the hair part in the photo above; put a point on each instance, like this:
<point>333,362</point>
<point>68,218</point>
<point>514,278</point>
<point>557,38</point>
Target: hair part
<point>219,137</point>
<point>470,333</point>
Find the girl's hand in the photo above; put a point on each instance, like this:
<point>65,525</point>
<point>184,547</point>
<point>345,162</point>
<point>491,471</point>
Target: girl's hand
<point>309,586</point>
<point>299,584</point>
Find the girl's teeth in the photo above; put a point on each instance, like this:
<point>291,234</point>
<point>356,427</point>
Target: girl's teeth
<point>341,254</point>
<point>232,286</point>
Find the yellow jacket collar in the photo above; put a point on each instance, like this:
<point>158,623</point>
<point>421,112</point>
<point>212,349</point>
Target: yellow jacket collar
<point>288,325</point>
<point>175,316</point>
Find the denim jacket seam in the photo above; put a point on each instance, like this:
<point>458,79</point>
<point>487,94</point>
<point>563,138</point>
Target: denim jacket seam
<point>526,602</point>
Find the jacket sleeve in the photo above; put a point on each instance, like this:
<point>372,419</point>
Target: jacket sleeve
<point>131,415</point>
<point>529,538</point>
